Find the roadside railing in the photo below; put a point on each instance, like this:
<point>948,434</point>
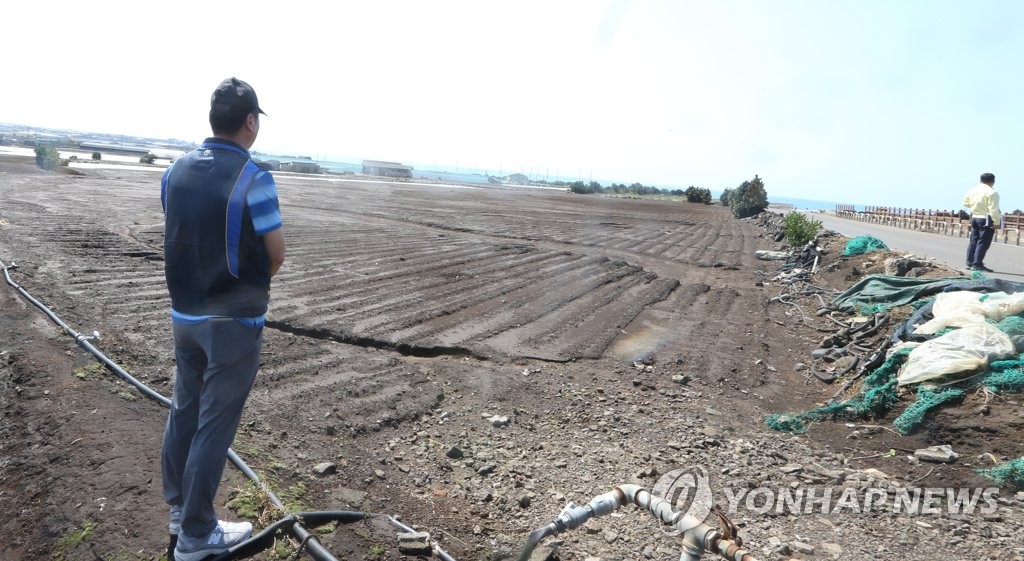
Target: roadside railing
<point>950,223</point>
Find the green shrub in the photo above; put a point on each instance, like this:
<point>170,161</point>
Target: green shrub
<point>799,229</point>
<point>726,197</point>
<point>47,157</point>
<point>148,158</point>
<point>748,199</point>
<point>698,195</point>
<point>97,156</point>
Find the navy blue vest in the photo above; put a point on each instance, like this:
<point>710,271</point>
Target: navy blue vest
<point>214,262</point>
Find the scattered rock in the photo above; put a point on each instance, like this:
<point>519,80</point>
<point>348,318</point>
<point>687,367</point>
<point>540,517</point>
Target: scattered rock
<point>901,266</point>
<point>833,550</point>
<point>542,553</point>
<point>805,548</point>
<point>498,421</point>
<point>325,468</point>
<point>343,496</point>
<point>454,453</point>
<point>414,543</point>
<point>937,454</point>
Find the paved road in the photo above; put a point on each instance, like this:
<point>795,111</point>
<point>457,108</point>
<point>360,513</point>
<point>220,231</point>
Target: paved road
<point>1007,260</point>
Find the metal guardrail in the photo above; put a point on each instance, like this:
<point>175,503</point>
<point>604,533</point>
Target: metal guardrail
<point>944,222</point>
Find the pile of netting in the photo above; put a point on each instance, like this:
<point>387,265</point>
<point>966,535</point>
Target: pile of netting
<point>878,393</point>
<point>1007,474</point>
<point>876,397</point>
<point>864,244</point>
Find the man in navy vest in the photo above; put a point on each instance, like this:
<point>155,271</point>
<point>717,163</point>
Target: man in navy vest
<point>222,245</point>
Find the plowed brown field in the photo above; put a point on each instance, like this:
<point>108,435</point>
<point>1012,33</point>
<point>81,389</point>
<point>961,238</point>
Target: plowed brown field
<point>405,314</point>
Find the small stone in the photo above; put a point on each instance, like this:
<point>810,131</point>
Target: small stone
<point>542,553</point>
<point>487,469</point>
<point>498,421</point>
<point>805,548</point>
<point>414,543</point>
<point>610,536</point>
<point>379,473</point>
<point>325,468</point>
<point>454,453</point>
<point>937,454</point>
<point>791,468</point>
<point>348,497</point>
<point>833,550</point>
<point>681,379</point>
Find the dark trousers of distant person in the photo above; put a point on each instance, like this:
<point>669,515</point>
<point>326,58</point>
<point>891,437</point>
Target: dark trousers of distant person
<point>982,233</point>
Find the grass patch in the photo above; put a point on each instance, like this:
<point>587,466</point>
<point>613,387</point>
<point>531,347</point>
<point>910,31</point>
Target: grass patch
<point>69,541</point>
<point>375,552</point>
<point>83,373</point>
<point>253,502</point>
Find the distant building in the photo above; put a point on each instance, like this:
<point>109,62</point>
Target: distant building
<point>386,169</point>
<point>299,167</point>
<point>517,179</point>
<point>112,148</point>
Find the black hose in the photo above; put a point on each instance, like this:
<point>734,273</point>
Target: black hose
<point>316,550</point>
<point>255,544</point>
<point>265,539</point>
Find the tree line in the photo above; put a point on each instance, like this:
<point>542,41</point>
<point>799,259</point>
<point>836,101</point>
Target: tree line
<point>746,200</point>
<point>692,194</point>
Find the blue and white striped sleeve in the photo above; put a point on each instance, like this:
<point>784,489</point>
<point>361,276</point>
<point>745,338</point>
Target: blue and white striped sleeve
<point>163,187</point>
<point>263,205</point>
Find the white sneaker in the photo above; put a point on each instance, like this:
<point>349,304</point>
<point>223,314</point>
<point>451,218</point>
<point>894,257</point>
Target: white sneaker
<point>223,537</point>
<point>175,525</point>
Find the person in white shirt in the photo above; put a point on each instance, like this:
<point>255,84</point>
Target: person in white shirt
<point>983,203</point>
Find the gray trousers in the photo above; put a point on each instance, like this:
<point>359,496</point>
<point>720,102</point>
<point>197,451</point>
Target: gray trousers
<point>217,362</point>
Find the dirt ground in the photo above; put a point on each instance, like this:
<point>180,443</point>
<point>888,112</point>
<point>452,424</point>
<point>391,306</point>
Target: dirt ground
<point>619,337</point>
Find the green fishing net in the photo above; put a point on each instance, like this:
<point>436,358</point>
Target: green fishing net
<point>927,400</point>
<point>1010,473</point>
<point>878,395</point>
<point>864,244</point>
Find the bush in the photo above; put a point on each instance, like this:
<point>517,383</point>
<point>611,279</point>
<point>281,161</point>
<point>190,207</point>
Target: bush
<point>799,229</point>
<point>725,197</point>
<point>97,156</point>
<point>748,199</point>
<point>148,158</point>
<point>47,157</point>
<point>698,195</point>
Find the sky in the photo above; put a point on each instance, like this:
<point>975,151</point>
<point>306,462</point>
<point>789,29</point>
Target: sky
<point>877,102</point>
